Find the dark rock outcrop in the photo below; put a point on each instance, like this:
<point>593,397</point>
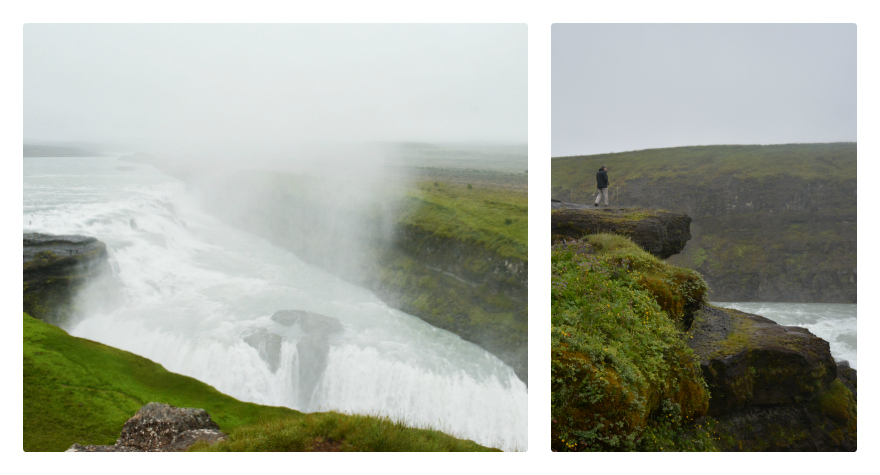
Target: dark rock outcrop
<point>312,349</point>
<point>847,376</point>
<point>660,233</point>
<point>772,387</point>
<point>161,428</point>
<point>55,267</point>
<point>268,345</point>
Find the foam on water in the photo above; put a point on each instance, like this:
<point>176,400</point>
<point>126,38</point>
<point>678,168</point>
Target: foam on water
<point>192,290</point>
<point>835,323</point>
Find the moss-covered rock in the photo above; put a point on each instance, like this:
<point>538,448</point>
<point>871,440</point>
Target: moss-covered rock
<point>773,387</point>
<point>658,232</point>
<point>55,268</point>
<point>848,376</point>
<point>621,373</point>
<point>750,360</point>
<point>825,424</point>
<point>461,287</point>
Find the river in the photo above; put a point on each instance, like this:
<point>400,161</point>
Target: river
<point>194,294</point>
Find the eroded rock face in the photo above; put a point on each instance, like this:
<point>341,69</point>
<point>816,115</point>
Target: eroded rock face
<point>772,386</point>
<point>749,359</point>
<point>161,428</point>
<point>268,345</point>
<point>848,376</point>
<point>313,349</point>
<point>55,267</point>
<point>660,233</point>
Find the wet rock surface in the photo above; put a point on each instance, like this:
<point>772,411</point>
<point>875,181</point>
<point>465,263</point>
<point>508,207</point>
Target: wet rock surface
<point>660,233</point>
<point>749,359</point>
<point>312,350</point>
<point>772,386</point>
<point>848,376</point>
<point>55,267</point>
<point>161,428</point>
<point>268,345</point>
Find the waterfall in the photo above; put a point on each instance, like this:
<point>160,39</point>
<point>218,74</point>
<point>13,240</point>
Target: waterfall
<point>198,297</point>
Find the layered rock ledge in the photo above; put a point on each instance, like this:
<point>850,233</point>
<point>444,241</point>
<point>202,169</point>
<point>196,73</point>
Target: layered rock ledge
<point>161,428</point>
<point>55,267</point>
<point>772,387</point>
<point>658,232</point>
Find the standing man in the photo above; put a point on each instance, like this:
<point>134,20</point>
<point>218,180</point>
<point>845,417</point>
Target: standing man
<point>602,184</point>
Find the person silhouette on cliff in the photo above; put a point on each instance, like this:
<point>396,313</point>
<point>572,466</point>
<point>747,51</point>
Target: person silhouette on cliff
<point>602,185</point>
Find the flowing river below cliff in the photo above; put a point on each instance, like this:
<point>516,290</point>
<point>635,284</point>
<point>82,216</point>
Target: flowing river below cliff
<point>197,296</point>
<point>835,323</point>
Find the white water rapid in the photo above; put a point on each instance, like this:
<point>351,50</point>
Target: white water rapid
<point>197,296</point>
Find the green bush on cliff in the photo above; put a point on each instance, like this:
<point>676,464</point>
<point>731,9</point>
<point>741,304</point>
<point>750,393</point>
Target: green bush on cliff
<point>622,374</point>
<point>80,391</point>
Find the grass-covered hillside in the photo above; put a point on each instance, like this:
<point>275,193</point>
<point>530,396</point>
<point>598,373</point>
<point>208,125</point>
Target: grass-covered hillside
<point>460,262</point>
<point>622,374</point>
<point>80,391</point>
<point>494,218</point>
<point>770,223</point>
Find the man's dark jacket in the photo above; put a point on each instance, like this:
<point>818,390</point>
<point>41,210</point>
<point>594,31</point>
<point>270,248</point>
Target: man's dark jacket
<point>602,179</point>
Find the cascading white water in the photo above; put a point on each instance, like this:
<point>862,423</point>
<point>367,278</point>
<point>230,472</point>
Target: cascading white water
<point>197,296</point>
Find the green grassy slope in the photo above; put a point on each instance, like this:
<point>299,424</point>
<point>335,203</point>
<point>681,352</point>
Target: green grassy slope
<point>770,223</point>
<point>699,164</point>
<point>622,375</point>
<point>494,218</point>
<point>80,391</point>
<point>463,265</point>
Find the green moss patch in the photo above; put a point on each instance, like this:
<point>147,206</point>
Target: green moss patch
<point>622,374</point>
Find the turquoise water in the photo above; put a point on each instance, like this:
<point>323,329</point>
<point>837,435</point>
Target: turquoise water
<point>835,323</point>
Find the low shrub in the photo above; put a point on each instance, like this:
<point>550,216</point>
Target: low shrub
<point>620,367</point>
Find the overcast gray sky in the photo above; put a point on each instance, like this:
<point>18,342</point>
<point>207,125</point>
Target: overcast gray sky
<point>267,83</point>
<point>620,87</point>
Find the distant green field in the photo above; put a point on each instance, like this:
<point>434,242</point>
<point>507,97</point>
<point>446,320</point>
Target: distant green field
<point>495,218</point>
<point>80,391</point>
<point>700,164</point>
<point>770,222</point>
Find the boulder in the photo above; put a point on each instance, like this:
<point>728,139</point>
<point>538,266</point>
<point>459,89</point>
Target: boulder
<point>55,268</point>
<point>161,428</point>
<point>771,386</point>
<point>749,359</point>
<point>268,345</point>
<point>312,349</point>
<point>660,233</point>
